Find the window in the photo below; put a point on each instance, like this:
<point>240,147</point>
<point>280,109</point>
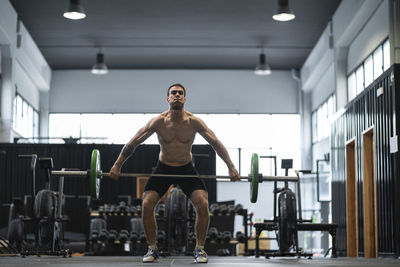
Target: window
<point>378,60</point>
<point>360,79</point>
<point>322,119</point>
<point>386,55</point>
<point>372,67</point>
<point>314,126</point>
<point>25,118</point>
<point>351,86</point>
<point>253,133</point>
<point>368,71</point>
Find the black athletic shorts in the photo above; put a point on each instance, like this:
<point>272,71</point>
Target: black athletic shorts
<point>161,184</point>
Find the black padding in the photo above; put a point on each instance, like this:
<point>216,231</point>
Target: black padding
<point>16,233</point>
<point>45,204</point>
<point>287,224</point>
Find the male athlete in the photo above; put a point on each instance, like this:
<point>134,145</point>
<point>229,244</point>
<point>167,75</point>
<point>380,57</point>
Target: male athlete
<point>176,129</point>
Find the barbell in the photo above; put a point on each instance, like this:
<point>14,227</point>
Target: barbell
<point>95,175</point>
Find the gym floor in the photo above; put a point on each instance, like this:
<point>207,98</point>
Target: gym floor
<point>188,261</point>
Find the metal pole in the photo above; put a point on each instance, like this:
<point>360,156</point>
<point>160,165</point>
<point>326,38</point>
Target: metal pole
<point>240,160</point>
<point>243,178</point>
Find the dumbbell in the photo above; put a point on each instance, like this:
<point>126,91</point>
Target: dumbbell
<point>238,208</point>
<point>223,252</point>
<point>123,236</point>
<point>161,236</point>
<point>208,238</point>
<point>160,209</point>
<point>214,208</point>
<point>101,210</point>
<point>103,236</point>
<point>133,210</point>
<point>223,209</point>
<point>139,210</point>
<point>142,238</point>
<point>219,238</point>
<point>231,208</point>
<point>192,237</point>
<point>112,236</point>
<point>94,235</point>
<point>122,207</point>
<point>213,233</point>
<point>134,237</point>
<point>240,237</point>
<point>106,208</point>
<point>226,236</point>
<point>113,209</point>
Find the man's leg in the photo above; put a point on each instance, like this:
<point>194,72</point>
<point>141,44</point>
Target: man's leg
<point>150,200</point>
<point>199,199</point>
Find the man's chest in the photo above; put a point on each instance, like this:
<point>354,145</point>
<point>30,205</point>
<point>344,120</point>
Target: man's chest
<point>182,132</point>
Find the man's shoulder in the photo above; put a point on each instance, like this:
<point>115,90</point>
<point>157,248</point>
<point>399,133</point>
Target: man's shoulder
<point>155,122</point>
<point>161,117</point>
<point>192,117</point>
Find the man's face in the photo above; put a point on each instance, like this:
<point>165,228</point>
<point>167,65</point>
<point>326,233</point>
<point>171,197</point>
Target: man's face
<point>176,97</point>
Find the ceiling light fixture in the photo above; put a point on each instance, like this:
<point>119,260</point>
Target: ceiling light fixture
<point>74,10</point>
<point>283,13</point>
<point>262,67</point>
<point>100,68</point>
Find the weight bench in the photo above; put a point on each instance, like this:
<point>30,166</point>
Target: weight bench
<point>329,227</point>
<point>270,225</point>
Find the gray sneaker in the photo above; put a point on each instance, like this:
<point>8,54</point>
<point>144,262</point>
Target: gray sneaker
<point>150,256</point>
<point>200,256</point>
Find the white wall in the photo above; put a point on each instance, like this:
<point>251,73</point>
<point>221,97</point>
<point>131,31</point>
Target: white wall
<point>374,32</point>
<point>22,67</point>
<point>208,91</point>
<point>324,88</point>
<point>25,86</point>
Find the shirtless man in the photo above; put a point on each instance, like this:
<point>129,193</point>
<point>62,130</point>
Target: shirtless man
<point>176,129</point>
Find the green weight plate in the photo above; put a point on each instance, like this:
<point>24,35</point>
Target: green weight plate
<point>95,169</point>
<point>254,178</point>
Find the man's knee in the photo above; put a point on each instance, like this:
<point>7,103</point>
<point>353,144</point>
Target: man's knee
<point>149,202</point>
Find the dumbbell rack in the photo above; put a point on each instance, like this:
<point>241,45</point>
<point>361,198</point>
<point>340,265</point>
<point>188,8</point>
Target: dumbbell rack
<point>117,222</point>
<point>112,243</point>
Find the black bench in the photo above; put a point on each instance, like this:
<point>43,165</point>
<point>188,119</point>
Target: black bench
<point>329,227</point>
<point>270,225</point>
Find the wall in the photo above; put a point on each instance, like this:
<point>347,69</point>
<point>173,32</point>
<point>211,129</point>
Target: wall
<point>324,88</point>
<point>356,29</point>
<point>380,112</point>
<point>374,32</point>
<point>208,91</point>
<point>23,68</point>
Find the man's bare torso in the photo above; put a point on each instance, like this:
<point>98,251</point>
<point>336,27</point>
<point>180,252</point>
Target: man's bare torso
<point>176,138</point>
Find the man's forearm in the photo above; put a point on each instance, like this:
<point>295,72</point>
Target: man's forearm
<point>126,152</point>
<point>223,154</point>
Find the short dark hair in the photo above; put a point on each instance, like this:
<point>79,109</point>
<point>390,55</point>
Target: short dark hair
<point>177,84</point>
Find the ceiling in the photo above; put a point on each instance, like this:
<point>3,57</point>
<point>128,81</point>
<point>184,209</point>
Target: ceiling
<point>175,34</point>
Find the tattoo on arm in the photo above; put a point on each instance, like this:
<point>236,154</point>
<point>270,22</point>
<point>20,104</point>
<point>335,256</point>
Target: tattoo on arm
<point>127,150</point>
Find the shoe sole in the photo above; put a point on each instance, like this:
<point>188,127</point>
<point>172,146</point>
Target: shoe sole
<point>155,260</point>
<point>200,261</point>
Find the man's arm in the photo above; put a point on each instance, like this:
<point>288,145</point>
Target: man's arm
<point>212,139</point>
<point>130,147</point>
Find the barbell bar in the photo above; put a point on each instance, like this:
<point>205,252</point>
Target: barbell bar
<point>95,174</point>
<point>225,177</point>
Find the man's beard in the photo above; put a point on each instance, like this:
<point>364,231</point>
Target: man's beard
<point>176,106</point>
